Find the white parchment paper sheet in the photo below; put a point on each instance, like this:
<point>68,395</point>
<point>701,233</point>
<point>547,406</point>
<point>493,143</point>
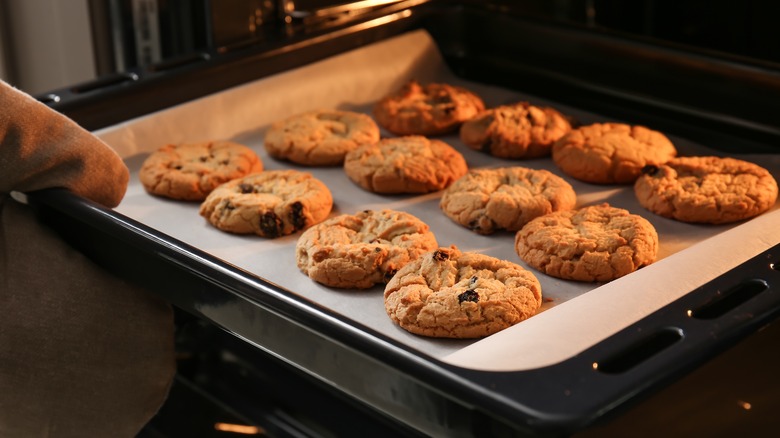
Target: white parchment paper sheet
<point>574,315</point>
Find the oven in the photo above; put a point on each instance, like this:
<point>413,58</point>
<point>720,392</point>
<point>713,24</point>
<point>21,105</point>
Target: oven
<point>683,346</point>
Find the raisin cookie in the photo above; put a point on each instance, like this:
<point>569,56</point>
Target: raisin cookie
<point>432,109</point>
<point>488,200</point>
<point>515,131</point>
<point>361,250</point>
<point>190,171</point>
<point>451,294</point>
<point>596,243</point>
<point>410,164</point>
<point>270,204</point>
<point>320,138</point>
<point>611,153</point>
<point>709,190</point>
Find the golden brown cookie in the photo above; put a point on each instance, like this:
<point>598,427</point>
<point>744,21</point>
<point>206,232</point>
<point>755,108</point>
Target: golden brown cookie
<point>410,164</point>
<point>431,109</point>
<point>488,200</point>
<point>190,171</point>
<point>320,138</point>
<point>709,190</point>
<point>596,243</point>
<point>273,203</point>
<point>515,131</point>
<point>361,250</point>
<point>450,294</point>
<point>611,153</point>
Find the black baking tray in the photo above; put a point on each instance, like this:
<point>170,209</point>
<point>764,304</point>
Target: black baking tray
<point>727,103</point>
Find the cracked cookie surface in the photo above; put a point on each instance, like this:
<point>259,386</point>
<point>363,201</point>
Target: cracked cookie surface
<point>320,138</point>
<point>431,109</point>
<point>271,204</point>
<point>515,131</point>
<point>190,171</point>
<point>595,243</point>
<point>409,164</point>
<point>708,189</point>
<point>452,294</point>
<point>361,250</point>
<point>489,200</point>
<point>611,153</point>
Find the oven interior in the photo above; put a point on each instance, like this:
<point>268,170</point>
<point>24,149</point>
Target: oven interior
<point>630,60</point>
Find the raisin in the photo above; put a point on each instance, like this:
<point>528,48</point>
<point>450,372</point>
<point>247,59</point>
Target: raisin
<point>469,295</point>
<point>246,188</point>
<point>177,167</point>
<point>650,169</point>
<point>389,275</point>
<point>440,256</point>
<point>487,146</point>
<point>473,281</point>
<point>270,224</point>
<point>297,218</point>
<point>203,159</point>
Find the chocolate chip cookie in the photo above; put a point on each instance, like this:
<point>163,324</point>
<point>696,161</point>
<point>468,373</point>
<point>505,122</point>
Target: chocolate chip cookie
<point>596,243</point>
<point>409,164</point>
<point>270,204</point>
<point>447,293</point>
<point>515,131</point>
<point>361,250</point>
<point>431,109</point>
<point>709,190</point>
<point>320,138</point>
<point>190,171</point>
<point>488,200</point>
<point>611,153</point>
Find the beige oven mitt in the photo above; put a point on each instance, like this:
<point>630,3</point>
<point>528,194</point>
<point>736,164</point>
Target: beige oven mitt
<point>82,353</point>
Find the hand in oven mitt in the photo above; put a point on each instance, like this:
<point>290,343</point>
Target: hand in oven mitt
<point>82,352</point>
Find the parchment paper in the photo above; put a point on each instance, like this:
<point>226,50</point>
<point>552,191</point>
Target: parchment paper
<point>574,315</point>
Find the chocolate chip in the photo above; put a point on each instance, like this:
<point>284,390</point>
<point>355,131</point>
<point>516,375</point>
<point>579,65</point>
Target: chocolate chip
<point>389,275</point>
<point>178,167</point>
<point>246,188</point>
<point>297,218</point>
<point>270,224</point>
<point>203,159</point>
<point>650,169</point>
<point>440,256</point>
<point>469,295</point>
<point>224,162</point>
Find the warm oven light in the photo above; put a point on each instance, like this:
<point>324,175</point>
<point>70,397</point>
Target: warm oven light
<point>238,428</point>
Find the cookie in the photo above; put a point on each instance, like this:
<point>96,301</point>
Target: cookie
<point>431,109</point>
<point>488,200</point>
<point>320,138</point>
<point>273,203</point>
<point>361,250</point>
<point>515,131</point>
<point>447,293</point>
<point>596,243</point>
<point>190,171</point>
<point>610,153</point>
<point>410,164</point>
<point>709,190</point>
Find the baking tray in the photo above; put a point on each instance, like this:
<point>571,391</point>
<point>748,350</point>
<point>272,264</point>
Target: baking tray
<point>589,352</point>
